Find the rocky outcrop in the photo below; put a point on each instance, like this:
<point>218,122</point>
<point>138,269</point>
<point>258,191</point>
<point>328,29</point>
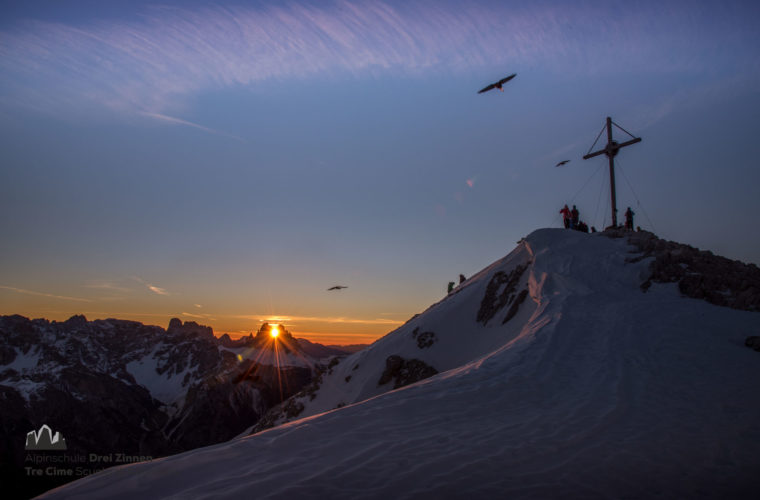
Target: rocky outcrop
<point>226,341</point>
<point>500,292</point>
<point>515,305</point>
<point>753,342</point>
<point>405,371</point>
<point>699,274</point>
<point>424,339</point>
<point>189,329</point>
<point>285,339</point>
<point>292,407</point>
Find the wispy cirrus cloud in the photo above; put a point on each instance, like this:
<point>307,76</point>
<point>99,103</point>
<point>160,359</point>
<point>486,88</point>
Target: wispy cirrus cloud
<point>199,316</point>
<point>157,290</point>
<point>153,288</point>
<point>43,294</point>
<point>152,66</point>
<point>316,319</point>
<point>107,286</point>
<point>178,121</point>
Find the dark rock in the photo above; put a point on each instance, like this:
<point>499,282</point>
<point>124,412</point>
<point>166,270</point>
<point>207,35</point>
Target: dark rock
<point>404,372</point>
<point>285,340</point>
<point>494,301</point>
<point>76,321</point>
<point>293,408</point>
<point>393,366</point>
<point>7,355</point>
<point>515,305</point>
<point>226,341</point>
<point>290,408</point>
<point>424,339</point>
<point>189,329</point>
<point>174,324</point>
<point>753,342</point>
<point>332,364</point>
<point>699,274</point>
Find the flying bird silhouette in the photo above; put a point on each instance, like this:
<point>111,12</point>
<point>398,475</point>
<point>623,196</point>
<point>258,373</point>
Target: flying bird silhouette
<point>561,163</point>
<point>336,287</point>
<point>498,84</point>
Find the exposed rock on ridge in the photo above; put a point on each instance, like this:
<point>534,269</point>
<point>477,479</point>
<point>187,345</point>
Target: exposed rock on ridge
<point>405,371</point>
<point>700,274</point>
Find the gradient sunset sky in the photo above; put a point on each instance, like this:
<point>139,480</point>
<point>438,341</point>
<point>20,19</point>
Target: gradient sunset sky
<point>227,162</point>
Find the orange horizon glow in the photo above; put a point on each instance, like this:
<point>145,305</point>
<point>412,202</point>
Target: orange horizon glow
<point>330,324</point>
<point>325,338</point>
<point>322,330</point>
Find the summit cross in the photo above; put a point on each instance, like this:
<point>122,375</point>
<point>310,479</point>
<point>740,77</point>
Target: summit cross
<point>611,150</point>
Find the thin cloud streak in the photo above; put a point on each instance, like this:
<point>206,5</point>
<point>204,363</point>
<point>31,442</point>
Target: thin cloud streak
<point>43,294</point>
<point>152,67</point>
<point>179,121</point>
<point>157,290</point>
<point>108,286</point>
<point>315,319</point>
<point>649,116</point>
<point>151,287</point>
<point>199,316</point>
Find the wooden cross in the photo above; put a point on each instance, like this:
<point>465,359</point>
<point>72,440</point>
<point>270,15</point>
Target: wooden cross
<point>611,150</point>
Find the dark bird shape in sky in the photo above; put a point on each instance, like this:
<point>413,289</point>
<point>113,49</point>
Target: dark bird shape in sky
<point>561,163</point>
<point>498,84</point>
<point>336,287</point>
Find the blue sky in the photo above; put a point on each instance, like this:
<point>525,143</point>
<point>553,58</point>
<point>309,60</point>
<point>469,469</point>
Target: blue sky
<point>226,162</point>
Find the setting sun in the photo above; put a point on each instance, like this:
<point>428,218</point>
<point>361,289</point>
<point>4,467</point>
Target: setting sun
<point>274,332</point>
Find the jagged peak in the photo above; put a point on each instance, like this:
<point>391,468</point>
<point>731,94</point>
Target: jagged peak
<point>189,328</point>
<point>76,321</point>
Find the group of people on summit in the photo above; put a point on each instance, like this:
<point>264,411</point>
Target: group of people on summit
<point>571,219</point>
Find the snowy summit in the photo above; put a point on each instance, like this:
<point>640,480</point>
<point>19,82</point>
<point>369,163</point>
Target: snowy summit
<point>578,366</point>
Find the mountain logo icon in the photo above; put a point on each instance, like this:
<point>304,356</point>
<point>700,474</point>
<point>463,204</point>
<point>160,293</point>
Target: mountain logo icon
<point>44,440</point>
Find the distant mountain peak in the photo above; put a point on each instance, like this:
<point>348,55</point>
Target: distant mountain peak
<point>189,328</point>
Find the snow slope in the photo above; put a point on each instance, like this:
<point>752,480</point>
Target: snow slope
<point>166,387</point>
<point>593,389</point>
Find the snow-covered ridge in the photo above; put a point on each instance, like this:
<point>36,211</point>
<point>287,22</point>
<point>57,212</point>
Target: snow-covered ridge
<point>590,388</point>
<point>480,316</point>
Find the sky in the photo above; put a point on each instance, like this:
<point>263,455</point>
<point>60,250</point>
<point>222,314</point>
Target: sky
<point>227,162</point>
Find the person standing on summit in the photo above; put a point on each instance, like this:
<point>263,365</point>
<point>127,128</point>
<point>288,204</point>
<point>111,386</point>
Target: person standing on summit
<point>574,218</point>
<point>565,216</point>
<point>629,219</point>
